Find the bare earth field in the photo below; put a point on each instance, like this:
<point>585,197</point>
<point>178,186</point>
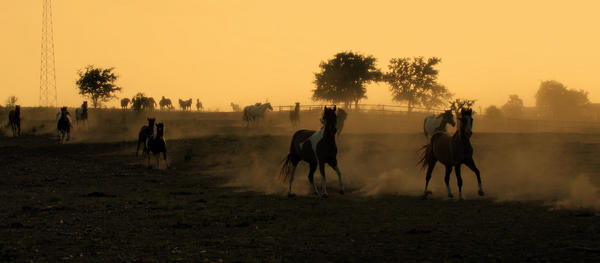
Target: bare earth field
<point>92,200</point>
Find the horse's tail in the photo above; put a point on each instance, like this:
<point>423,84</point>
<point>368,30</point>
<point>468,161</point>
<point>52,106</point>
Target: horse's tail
<point>284,173</point>
<point>426,155</point>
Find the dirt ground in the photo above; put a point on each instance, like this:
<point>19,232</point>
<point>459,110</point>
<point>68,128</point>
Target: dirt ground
<point>92,200</point>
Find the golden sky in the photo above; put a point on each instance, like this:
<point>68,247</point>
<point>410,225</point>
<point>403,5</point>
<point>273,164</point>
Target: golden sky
<point>248,51</point>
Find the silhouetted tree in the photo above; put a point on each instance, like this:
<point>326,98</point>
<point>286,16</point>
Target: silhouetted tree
<point>97,84</point>
<point>343,78</point>
<point>554,100</point>
<point>493,112</point>
<point>458,104</point>
<point>513,107</point>
<point>414,80</point>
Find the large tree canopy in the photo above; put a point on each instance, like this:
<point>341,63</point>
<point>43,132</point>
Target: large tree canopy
<point>554,100</point>
<point>513,107</point>
<point>343,78</point>
<point>97,84</point>
<point>414,80</point>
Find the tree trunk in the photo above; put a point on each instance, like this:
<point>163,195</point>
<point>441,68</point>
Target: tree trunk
<point>410,107</point>
<point>356,105</point>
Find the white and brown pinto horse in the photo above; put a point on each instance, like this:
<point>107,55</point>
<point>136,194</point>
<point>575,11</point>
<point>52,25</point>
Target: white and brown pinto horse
<point>81,114</point>
<point>452,151</point>
<point>315,148</point>
<point>434,124</point>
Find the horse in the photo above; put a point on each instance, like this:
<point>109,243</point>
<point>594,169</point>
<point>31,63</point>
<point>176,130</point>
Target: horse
<point>165,103</point>
<point>125,103</point>
<point>235,107</point>
<point>155,144</point>
<point>198,105</point>
<point>185,104</point>
<point>81,114</point>
<point>295,116</point>
<point>452,151</point>
<point>315,148</point>
<point>255,113</point>
<point>145,132</point>
<point>434,124</point>
<point>341,118</point>
<point>14,120</point>
<point>63,124</point>
<point>149,103</point>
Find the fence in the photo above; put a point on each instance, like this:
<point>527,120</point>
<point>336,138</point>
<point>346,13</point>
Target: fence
<point>378,108</point>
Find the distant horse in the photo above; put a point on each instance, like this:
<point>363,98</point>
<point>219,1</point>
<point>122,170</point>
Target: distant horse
<point>452,151</point>
<point>341,118</point>
<point>14,120</point>
<point>165,103</point>
<point>316,148</point>
<point>155,144</point>
<point>198,105</point>
<point>125,103</point>
<point>434,124</point>
<point>255,113</point>
<point>295,116</point>
<point>63,124</point>
<point>185,104</point>
<point>235,107</point>
<point>149,103</point>
<point>145,132</point>
<point>81,114</point>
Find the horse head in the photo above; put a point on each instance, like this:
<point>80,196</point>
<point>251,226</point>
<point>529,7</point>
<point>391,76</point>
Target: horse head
<point>329,120</point>
<point>466,122</point>
<point>448,117</point>
<point>267,106</point>
<point>84,105</point>
<point>151,122</point>
<point>17,109</point>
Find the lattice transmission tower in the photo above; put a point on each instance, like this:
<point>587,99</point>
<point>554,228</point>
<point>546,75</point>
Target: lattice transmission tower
<point>48,96</point>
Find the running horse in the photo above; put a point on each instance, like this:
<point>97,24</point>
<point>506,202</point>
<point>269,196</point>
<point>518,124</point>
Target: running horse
<point>255,113</point>
<point>295,115</point>
<point>315,148</point>
<point>452,151</point>
<point>199,105</point>
<point>14,120</point>
<point>145,132</point>
<point>63,124</point>
<point>81,114</point>
<point>434,124</point>
<point>155,144</point>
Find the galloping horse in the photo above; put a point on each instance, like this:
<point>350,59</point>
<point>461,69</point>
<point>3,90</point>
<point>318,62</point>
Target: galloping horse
<point>434,124</point>
<point>81,114</point>
<point>255,113</point>
<point>341,118</point>
<point>185,104</point>
<point>316,148</point>
<point>145,132</point>
<point>165,103</point>
<point>198,105</point>
<point>125,103</point>
<point>155,144</point>
<point>295,116</point>
<point>452,151</point>
<point>14,120</point>
<point>63,124</point>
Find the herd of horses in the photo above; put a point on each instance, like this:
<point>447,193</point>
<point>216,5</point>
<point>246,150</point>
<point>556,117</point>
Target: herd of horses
<point>164,103</point>
<point>316,147</point>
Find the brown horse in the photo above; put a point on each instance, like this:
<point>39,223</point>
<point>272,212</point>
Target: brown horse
<point>452,151</point>
<point>14,120</point>
<point>316,148</point>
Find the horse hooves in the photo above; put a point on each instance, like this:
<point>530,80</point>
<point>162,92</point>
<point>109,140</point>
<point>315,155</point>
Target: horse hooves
<point>341,192</point>
<point>481,193</point>
<point>325,195</point>
<point>290,195</point>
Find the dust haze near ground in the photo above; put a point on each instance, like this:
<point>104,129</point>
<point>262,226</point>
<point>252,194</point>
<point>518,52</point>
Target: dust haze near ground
<point>377,154</point>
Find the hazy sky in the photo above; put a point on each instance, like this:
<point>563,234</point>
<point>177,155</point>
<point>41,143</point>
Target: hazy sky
<point>247,51</point>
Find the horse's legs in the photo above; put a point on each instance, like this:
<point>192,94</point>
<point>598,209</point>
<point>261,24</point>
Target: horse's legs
<point>335,167</point>
<point>323,178</point>
<point>430,167</point>
<point>471,164</point>
<point>311,179</point>
<point>447,180</point>
<point>458,181</point>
